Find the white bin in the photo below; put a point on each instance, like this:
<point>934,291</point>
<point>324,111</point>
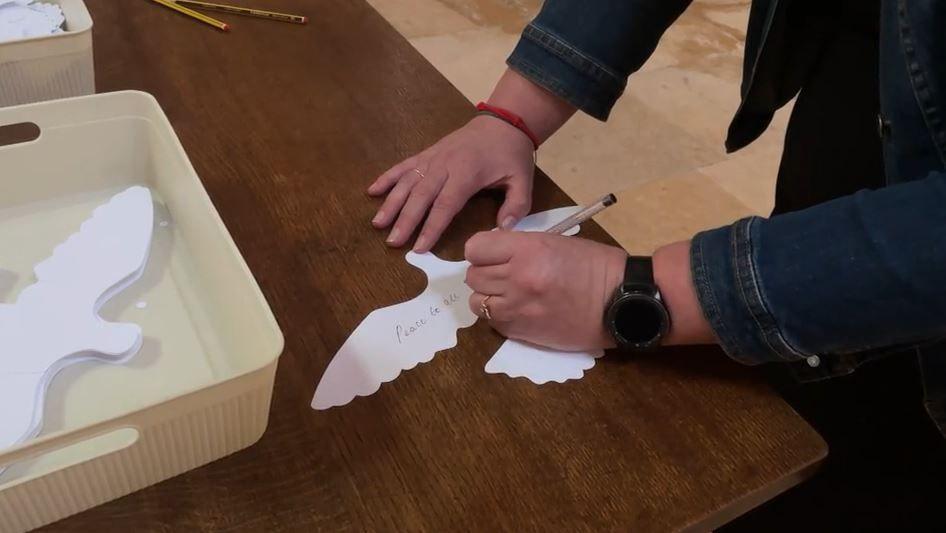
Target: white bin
<point>200,387</point>
<point>50,67</point>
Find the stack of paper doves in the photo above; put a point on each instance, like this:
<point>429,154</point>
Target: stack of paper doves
<point>22,19</point>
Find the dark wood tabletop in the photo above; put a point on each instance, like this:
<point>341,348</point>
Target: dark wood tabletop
<point>286,126</point>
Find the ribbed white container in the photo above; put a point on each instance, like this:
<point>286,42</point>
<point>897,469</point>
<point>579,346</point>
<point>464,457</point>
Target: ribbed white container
<point>200,388</point>
<point>50,67</point>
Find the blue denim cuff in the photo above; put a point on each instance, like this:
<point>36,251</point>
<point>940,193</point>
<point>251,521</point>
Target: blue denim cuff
<point>725,272</point>
<point>562,69</point>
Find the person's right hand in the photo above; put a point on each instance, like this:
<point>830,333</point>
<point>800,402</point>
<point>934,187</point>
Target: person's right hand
<point>485,153</point>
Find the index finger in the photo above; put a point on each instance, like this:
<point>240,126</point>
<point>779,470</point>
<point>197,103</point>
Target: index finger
<point>490,248</point>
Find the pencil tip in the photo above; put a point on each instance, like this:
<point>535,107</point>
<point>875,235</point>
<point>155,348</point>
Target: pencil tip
<point>610,200</point>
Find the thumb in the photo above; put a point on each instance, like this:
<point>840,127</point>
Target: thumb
<point>517,205</point>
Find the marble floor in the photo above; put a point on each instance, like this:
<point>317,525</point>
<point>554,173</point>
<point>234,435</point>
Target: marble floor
<point>661,151</point>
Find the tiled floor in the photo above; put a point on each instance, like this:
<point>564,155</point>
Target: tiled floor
<point>662,150</point>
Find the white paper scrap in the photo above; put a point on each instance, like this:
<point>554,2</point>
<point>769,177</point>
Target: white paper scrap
<point>23,19</point>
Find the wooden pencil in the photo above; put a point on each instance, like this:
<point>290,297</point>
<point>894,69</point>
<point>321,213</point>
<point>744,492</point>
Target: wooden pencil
<point>246,11</point>
<point>193,14</point>
<point>584,215</point>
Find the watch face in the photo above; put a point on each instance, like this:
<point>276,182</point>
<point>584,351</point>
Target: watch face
<point>638,320</point>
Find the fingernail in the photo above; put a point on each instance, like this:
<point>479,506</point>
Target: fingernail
<point>509,222</point>
<point>421,245</point>
<point>393,236</point>
<point>378,218</point>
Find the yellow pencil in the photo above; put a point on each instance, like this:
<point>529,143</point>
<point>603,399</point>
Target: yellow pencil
<point>191,13</point>
<point>250,12</point>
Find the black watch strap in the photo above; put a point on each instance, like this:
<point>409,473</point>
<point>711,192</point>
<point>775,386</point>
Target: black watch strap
<point>636,317</point>
<point>639,270</point>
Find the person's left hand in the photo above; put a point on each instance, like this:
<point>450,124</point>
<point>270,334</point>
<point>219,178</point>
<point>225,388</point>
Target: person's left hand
<point>545,289</point>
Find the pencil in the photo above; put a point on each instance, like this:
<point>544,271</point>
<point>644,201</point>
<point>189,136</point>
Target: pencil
<point>193,14</point>
<point>584,215</point>
<point>249,12</point>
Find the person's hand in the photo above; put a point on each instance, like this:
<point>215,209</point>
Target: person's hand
<point>486,153</point>
<point>545,289</point>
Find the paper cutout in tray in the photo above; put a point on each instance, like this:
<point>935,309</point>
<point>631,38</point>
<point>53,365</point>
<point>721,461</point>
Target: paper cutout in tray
<point>55,323</point>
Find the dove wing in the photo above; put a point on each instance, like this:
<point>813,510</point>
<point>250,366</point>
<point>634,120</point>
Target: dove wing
<point>360,365</point>
<point>399,337</point>
<point>540,365</point>
<point>108,252</point>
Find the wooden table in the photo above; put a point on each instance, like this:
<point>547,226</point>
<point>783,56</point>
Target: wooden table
<point>286,126</point>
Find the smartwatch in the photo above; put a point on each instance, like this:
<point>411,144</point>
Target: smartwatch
<point>636,316</point>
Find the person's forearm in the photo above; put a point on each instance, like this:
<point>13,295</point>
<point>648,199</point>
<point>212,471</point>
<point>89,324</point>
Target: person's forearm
<point>674,279</point>
<point>543,112</point>
<point>860,272</point>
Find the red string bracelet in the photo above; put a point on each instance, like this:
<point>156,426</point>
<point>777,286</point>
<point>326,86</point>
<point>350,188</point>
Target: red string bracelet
<point>510,118</point>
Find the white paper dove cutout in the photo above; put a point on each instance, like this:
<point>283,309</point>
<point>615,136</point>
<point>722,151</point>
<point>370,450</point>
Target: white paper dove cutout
<point>540,365</point>
<point>399,337</point>
<point>55,323</point>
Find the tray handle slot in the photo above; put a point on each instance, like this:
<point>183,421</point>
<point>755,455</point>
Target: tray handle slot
<point>129,434</point>
<point>19,133</point>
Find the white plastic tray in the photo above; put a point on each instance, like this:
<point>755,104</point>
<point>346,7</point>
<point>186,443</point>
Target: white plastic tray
<point>200,388</point>
<point>53,66</point>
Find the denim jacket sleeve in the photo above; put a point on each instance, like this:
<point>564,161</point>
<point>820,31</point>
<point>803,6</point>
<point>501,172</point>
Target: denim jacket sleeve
<point>860,272</point>
<point>585,54</point>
